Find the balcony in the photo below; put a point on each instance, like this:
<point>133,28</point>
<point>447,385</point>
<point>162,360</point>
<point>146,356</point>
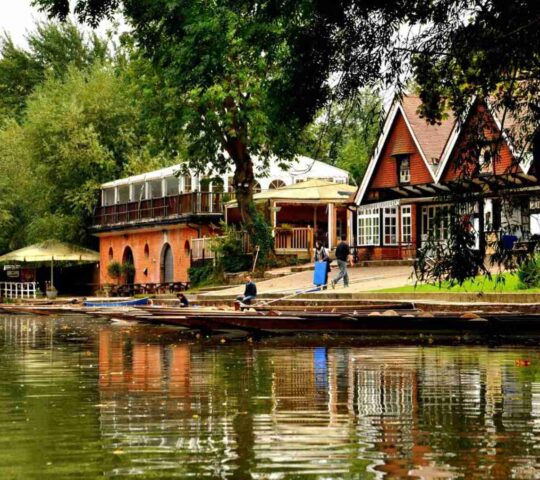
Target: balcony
<point>162,209</point>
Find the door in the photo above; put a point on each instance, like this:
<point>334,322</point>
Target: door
<point>167,264</point>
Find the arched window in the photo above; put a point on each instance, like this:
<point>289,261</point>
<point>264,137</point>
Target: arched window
<point>256,187</point>
<point>146,251</point>
<point>187,248</point>
<point>111,253</point>
<point>276,184</point>
<point>167,264</point>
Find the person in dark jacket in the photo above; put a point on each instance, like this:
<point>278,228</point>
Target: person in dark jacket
<point>184,302</point>
<point>343,256</point>
<point>321,255</point>
<point>250,291</point>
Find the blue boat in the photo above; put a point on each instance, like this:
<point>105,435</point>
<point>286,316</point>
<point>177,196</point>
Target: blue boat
<point>126,303</point>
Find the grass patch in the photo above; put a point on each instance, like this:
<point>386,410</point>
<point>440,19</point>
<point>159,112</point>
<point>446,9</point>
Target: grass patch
<point>507,283</point>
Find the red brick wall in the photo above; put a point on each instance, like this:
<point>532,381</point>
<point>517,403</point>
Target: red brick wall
<point>385,174</point>
<point>460,162</point>
<point>176,237</point>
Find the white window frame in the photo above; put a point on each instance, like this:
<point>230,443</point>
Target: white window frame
<point>390,213</point>
<point>406,213</point>
<point>405,174</point>
<point>368,232</point>
<point>444,229</point>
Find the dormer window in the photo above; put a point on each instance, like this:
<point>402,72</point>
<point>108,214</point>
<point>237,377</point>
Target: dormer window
<point>486,161</point>
<point>404,169</point>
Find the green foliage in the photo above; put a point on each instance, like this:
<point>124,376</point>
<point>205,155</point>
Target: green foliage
<point>52,49</point>
<point>201,275</point>
<point>128,270</point>
<point>230,256</point>
<point>261,237</point>
<point>529,273</point>
<point>114,269</point>
<point>344,135</point>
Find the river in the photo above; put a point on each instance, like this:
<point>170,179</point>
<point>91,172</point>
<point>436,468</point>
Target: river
<point>82,398</point>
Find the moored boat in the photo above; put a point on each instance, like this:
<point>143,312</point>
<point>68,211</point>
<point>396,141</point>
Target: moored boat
<point>136,302</point>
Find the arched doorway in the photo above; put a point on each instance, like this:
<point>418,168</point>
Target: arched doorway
<point>128,272</point>
<point>167,264</point>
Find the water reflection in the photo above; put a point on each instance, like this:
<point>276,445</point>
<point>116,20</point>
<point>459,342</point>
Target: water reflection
<point>79,395</point>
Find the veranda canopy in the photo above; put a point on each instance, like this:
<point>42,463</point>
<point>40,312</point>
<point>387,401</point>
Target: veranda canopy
<point>51,251</point>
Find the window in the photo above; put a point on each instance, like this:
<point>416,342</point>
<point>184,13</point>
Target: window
<point>486,161</point>
<point>111,254</point>
<point>217,185</point>
<point>188,186</point>
<point>123,194</point>
<point>406,225</point>
<point>404,169</point>
<point>171,186</point>
<point>368,226</point>
<point>146,251</point>
<point>138,192</point>
<point>276,184</point>
<point>256,186</point>
<point>155,188</point>
<point>390,225</point>
<point>108,196</point>
<point>435,222</point>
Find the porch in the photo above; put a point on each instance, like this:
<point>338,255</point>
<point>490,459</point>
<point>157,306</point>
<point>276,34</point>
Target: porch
<point>302,214</point>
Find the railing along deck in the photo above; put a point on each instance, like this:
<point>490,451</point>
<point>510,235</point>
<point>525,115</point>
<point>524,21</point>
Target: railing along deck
<point>160,208</point>
<point>293,239</point>
<point>18,289</point>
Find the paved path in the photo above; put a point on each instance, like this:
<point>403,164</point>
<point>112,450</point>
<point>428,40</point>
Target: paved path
<point>362,279</point>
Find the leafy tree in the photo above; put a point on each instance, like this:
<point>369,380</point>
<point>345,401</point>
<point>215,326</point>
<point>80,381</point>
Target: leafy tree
<point>77,132</point>
<point>345,133</point>
<point>220,66</point>
<point>52,49</point>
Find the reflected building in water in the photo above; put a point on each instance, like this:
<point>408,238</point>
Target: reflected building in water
<point>384,413</point>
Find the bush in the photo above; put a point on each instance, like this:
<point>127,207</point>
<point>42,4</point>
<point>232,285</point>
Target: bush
<point>529,273</point>
<point>229,253</point>
<point>201,274</point>
<point>261,237</point>
<point>128,270</point>
<point>114,269</point>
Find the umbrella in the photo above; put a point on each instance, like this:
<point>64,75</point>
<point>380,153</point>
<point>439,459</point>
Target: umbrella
<point>51,251</point>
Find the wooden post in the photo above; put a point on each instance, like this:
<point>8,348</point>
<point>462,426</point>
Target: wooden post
<point>331,226</point>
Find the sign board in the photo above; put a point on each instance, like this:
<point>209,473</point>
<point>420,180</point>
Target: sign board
<point>13,273</point>
<point>8,268</point>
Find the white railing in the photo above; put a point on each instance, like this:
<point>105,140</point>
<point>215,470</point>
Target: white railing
<point>18,289</point>
<point>293,238</point>
<point>201,248</point>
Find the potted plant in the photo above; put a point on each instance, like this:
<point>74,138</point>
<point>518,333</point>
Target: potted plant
<point>128,271</point>
<point>50,291</point>
<point>114,269</point>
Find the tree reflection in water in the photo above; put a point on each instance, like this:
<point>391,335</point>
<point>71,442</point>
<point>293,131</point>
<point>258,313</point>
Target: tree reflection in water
<point>80,395</point>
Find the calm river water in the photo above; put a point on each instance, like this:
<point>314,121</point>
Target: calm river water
<point>81,398</point>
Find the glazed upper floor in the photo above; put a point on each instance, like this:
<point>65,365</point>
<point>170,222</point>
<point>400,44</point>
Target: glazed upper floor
<point>416,159</point>
<point>173,181</point>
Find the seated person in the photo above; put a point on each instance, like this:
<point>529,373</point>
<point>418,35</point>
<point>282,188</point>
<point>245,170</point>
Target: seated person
<point>184,302</point>
<point>250,292</point>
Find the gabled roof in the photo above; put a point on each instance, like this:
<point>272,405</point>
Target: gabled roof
<point>430,140</point>
<point>506,122</point>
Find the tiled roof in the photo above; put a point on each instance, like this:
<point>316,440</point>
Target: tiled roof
<point>432,138</point>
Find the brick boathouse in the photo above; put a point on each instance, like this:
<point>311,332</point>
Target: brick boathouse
<point>160,221</point>
<point>405,196</point>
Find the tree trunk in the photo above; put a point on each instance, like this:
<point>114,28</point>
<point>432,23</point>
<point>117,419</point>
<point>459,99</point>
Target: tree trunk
<point>243,179</point>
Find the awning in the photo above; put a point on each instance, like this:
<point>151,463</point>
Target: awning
<point>51,250</point>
